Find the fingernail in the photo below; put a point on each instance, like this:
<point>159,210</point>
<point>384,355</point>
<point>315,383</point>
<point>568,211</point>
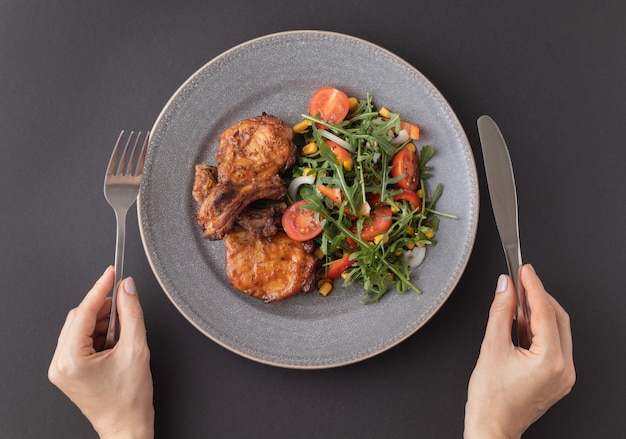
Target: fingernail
<point>106,271</point>
<point>503,283</point>
<point>532,268</point>
<point>129,286</point>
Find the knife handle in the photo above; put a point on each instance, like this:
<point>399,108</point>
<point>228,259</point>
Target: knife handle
<point>522,311</point>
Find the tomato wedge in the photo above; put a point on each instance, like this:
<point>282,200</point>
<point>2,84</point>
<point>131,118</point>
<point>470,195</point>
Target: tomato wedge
<point>407,164</point>
<point>331,104</point>
<point>381,222</point>
<point>411,197</point>
<point>338,266</point>
<point>299,222</point>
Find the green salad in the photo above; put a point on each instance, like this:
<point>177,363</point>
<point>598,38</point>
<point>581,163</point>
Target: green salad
<point>359,189</point>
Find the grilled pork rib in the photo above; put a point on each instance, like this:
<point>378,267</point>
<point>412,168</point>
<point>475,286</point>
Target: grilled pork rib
<point>269,268</point>
<point>240,202</point>
<point>251,154</point>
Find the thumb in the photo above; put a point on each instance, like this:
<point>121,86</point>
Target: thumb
<point>132,325</point>
<point>501,313</point>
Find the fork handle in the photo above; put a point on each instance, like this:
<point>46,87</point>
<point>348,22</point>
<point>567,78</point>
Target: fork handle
<point>113,330</point>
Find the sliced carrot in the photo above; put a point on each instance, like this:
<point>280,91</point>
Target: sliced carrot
<point>331,192</point>
<point>343,157</point>
<point>412,130</point>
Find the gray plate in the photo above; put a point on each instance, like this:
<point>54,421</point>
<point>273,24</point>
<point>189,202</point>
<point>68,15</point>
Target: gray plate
<point>277,74</point>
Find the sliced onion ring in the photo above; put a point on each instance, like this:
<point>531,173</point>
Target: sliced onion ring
<point>292,190</point>
<point>414,257</point>
<point>338,140</point>
<point>402,137</point>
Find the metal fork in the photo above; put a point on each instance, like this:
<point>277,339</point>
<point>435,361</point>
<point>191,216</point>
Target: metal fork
<point>121,188</point>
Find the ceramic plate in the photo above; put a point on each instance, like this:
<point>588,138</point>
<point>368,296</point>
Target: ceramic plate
<point>277,74</point>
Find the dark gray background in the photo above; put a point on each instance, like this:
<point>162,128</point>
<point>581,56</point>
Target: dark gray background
<point>73,74</point>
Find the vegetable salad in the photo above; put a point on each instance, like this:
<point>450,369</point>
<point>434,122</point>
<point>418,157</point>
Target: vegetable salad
<point>359,189</point>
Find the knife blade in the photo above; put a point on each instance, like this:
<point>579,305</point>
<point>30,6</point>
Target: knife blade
<point>503,194</point>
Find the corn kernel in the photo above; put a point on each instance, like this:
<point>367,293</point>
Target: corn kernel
<point>410,245</point>
<point>345,276</point>
<point>429,233</point>
<point>319,254</point>
<point>301,127</point>
<point>411,146</point>
<point>410,230</point>
<point>354,102</point>
<point>420,193</point>
<point>384,112</point>
<point>309,171</point>
<point>348,164</point>
<point>381,237</point>
<point>310,148</point>
<point>325,288</point>
<point>390,276</point>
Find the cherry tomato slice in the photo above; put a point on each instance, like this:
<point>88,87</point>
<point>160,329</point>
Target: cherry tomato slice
<point>406,163</point>
<point>331,104</point>
<point>338,266</point>
<point>411,197</point>
<point>374,199</point>
<point>381,222</point>
<point>299,222</point>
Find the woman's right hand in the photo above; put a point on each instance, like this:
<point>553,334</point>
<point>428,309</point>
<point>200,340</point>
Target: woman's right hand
<point>511,387</point>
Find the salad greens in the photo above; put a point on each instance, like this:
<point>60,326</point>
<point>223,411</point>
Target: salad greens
<point>363,183</point>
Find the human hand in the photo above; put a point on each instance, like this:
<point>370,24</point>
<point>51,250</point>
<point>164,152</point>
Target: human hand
<point>511,387</point>
<point>113,387</point>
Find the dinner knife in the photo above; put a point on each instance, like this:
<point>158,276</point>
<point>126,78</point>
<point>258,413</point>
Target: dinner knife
<point>503,194</point>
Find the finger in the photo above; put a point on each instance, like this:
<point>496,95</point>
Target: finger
<point>543,321</point>
<point>105,311</point>
<point>132,326</point>
<point>66,326</point>
<point>501,314</point>
<point>83,323</point>
<point>61,341</point>
<point>565,330</point>
<point>96,297</point>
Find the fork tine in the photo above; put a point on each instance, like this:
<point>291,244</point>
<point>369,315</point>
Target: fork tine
<point>114,154</point>
<point>142,155</point>
<point>122,162</point>
<point>131,160</point>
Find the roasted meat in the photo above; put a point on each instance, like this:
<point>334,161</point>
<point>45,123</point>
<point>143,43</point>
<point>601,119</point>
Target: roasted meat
<point>269,268</point>
<point>250,157</point>
<point>262,218</point>
<point>240,202</point>
<point>206,179</point>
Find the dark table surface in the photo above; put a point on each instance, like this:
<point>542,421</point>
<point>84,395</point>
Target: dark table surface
<point>72,74</point>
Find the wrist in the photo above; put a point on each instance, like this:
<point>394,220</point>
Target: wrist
<point>136,432</point>
<point>485,427</point>
<point>482,432</point>
<point>137,429</point>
